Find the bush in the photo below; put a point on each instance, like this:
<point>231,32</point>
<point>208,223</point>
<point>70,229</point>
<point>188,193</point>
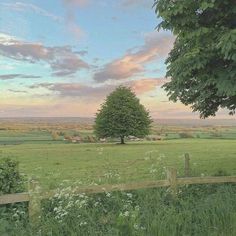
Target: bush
<point>185,135</point>
<point>55,136</point>
<point>216,135</point>
<point>10,179</point>
<point>148,138</point>
<point>89,139</point>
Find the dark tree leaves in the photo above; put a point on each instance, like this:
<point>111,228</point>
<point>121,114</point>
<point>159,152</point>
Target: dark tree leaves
<point>122,115</point>
<point>202,64</point>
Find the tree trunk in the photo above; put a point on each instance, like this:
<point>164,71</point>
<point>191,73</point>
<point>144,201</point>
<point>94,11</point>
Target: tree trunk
<point>122,140</point>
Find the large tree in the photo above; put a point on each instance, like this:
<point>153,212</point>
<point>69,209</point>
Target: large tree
<point>202,64</point>
<point>122,115</point>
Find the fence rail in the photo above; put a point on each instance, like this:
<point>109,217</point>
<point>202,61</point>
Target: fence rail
<point>25,197</point>
<point>34,196</point>
<point>14,198</point>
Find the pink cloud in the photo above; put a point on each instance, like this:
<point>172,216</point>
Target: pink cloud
<point>72,26</point>
<point>76,30</point>
<point>140,3</point>
<point>146,85</point>
<point>140,87</point>
<point>77,90</point>
<point>157,45</point>
<point>80,3</point>
<point>63,60</point>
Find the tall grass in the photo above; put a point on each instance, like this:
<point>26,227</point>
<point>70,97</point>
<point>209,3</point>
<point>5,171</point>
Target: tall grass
<point>197,210</point>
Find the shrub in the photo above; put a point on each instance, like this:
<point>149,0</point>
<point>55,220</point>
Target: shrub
<point>89,139</point>
<point>10,179</point>
<point>185,135</point>
<point>55,136</point>
<point>216,135</point>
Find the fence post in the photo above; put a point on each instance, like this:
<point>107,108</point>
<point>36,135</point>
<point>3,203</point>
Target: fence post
<point>172,178</point>
<point>34,202</point>
<point>186,165</point>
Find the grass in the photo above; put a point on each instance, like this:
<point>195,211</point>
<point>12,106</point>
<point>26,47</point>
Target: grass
<point>54,163</point>
<point>206,210</point>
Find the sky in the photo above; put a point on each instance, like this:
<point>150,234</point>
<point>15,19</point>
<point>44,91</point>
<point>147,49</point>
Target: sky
<point>61,58</point>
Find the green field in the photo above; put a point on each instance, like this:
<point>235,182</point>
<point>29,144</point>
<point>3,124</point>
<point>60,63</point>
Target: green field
<point>197,210</point>
<point>57,163</point>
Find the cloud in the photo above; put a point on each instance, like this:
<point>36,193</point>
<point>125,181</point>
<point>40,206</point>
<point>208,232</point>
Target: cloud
<point>17,91</point>
<point>77,3</point>
<point>62,60</point>
<point>99,92</point>
<point>70,13</point>
<point>118,69</point>
<point>76,90</point>
<point>72,26</point>
<point>136,3</point>
<point>114,18</point>
<point>20,6</point>
<point>157,45</point>
<point>30,110</point>
<point>76,31</point>
<point>16,76</point>
<point>146,85</point>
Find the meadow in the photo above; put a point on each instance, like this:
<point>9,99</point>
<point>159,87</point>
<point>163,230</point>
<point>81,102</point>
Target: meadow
<point>56,163</point>
<point>62,165</point>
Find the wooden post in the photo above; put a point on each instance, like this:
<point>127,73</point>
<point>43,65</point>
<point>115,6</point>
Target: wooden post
<point>34,202</point>
<point>186,165</point>
<point>172,178</point>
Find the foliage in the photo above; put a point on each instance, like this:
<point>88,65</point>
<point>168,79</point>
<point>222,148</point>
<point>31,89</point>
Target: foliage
<point>122,115</point>
<point>10,179</point>
<point>55,136</point>
<point>202,64</point>
<point>186,135</point>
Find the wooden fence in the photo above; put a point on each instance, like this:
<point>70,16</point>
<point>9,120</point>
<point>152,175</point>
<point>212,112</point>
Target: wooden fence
<point>34,195</point>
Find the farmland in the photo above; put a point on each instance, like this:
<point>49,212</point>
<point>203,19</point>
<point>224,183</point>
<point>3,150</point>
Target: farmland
<point>57,162</point>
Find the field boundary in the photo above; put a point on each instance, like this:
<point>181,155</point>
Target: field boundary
<point>25,197</point>
<point>34,194</point>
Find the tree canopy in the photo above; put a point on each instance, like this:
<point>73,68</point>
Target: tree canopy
<point>202,64</point>
<point>122,115</point>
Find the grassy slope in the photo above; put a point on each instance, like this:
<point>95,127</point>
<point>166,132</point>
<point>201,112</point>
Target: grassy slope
<point>55,162</point>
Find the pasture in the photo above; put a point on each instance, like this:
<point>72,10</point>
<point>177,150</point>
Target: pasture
<point>62,165</point>
<point>56,163</point>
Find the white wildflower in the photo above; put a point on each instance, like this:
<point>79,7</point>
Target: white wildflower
<point>136,226</point>
<point>126,213</point>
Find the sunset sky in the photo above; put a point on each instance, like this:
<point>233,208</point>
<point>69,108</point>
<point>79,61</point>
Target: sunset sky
<point>62,57</point>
